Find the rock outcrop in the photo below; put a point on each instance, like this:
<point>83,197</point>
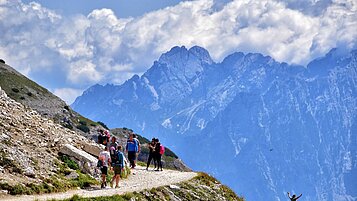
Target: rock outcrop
<point>86,161</point>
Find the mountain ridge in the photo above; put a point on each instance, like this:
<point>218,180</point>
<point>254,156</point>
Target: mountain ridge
<point>247,99</point>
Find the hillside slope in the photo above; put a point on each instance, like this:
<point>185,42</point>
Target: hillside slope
<point>30,150</point>
<point>30,94</point>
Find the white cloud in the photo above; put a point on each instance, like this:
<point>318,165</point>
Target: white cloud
<point>103,48</point>
<point>67,94</point>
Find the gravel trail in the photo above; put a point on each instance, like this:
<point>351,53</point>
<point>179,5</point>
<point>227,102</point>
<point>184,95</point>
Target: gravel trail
<point>139,180</point>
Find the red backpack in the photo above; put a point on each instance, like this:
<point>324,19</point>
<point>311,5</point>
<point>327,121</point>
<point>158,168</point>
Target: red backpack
<point>162,149</point>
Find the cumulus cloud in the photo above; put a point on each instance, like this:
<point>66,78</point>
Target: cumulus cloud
<point>102,48</point>
<point>67,94</point>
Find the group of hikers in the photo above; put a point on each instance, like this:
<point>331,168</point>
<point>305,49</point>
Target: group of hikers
<point>113,156</point>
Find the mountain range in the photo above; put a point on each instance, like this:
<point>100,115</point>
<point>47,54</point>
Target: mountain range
<point>263,127</point>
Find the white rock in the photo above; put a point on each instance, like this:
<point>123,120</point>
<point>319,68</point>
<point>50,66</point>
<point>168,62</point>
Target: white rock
<point>81,157</point>
<point>174,187</point>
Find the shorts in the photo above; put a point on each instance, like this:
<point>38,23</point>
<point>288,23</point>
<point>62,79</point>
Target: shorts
<point>117,170</point>
<point>132,155</point>
<point>104,170</point>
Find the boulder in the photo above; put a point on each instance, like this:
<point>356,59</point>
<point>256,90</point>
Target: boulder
<point>91,148</point>
<point>72,175</point>
<point>86,162</point>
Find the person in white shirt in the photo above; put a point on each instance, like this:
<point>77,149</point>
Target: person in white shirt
<point>104,157</point>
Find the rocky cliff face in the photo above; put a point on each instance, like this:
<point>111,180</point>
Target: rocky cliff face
<point>260,126</point>
<point>30,146</point>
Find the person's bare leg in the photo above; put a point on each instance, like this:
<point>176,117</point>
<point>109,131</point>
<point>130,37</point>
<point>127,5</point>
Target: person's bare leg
<point>103,179</point>
<point>117,178</point>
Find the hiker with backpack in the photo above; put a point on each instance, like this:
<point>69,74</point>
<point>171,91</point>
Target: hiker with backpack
<point>132,147</point>
<point>118,165</point>
<point>151,153</point>
<point>139,146</point>
<point>103,163</point>
<point>159,151</point>
<point>113,147</point>
<point>294,197</point>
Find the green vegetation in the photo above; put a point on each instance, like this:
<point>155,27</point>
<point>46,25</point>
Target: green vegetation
<point>103,124</point>
<point>69,126</point>
<point>70,163</point>
<point>56,183</point>
<point>83,128</point>
<point>142,139</point>
<point>85,121</point>
<point>202,187</point>
<point>15,90</point>
<point>18,86</point>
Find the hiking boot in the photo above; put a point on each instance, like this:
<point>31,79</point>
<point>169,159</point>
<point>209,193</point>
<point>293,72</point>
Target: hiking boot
<point>102,186</point>
<point>117,186</point>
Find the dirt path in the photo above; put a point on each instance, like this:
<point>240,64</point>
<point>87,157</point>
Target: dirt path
<point>139,180</point>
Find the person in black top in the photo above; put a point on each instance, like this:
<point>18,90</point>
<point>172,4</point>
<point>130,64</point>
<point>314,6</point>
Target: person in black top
<point>294,198</point>
<point>151,153</point>
<point>157,155</point>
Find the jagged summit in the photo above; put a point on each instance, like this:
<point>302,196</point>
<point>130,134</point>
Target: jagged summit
<point>182,53</point>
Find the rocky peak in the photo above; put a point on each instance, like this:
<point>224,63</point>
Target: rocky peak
<point>201,53</point>
<point>183,54</point>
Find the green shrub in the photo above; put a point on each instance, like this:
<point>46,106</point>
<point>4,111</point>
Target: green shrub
<point>141,139</point>
<point>70,163</point>
<point>83,128</point>
<point>103,124</point>
<point>18,189</point>
<point>36,188</point>
<point>170,153</point>
<point>84,180</point>
<point>82,122</point>
<point>15,90</point>
<point>69,126</point>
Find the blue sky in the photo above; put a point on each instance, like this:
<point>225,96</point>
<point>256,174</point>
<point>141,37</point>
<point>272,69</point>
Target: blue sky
<point>71,45</point>
<point>121,8</point>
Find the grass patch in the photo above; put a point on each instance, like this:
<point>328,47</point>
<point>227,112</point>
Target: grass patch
<point>12,82</point>
<point>83,128</point>
<point>70,163</point>
<point>103,124</point>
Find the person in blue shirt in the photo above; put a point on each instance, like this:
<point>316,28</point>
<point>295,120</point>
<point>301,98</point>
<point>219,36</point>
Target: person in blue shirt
<point>118,166</point>
<point>132,147</point>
